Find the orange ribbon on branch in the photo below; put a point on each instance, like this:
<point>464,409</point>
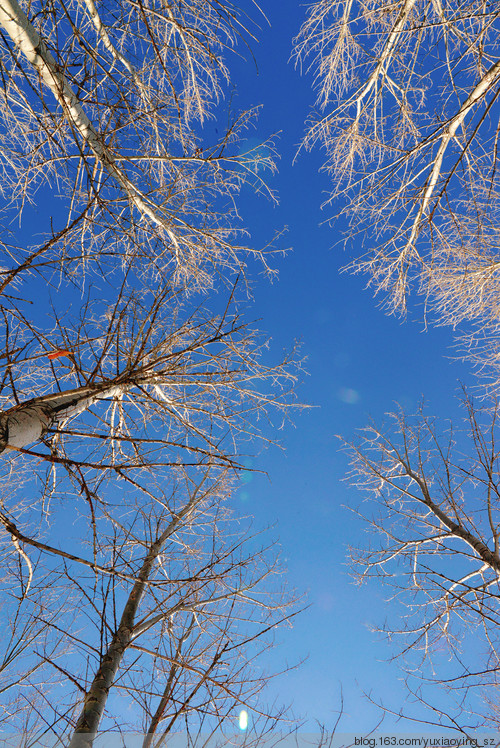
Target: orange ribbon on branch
<point>58,353</point>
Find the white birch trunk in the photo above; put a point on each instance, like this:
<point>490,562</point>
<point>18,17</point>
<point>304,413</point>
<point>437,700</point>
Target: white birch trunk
<point>28,40</point>
<point>28,422</point>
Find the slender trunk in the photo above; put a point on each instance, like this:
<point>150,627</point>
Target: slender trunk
<point>167,691</point>
<point>96,698</point>
<point>488,556</point>
<point>447,137</point>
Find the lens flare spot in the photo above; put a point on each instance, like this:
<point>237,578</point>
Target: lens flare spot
<point>348,395</point>
<point>243,719</point>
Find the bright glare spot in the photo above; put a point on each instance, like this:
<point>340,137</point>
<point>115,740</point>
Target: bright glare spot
<point>243,720</point>
<point>246,476</point>
<point>348,396</point>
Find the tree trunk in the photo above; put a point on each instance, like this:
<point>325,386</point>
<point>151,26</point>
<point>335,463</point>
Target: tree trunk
<point>28,422</point>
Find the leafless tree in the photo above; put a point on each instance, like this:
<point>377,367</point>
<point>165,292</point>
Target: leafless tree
<point>407,114</point>
<point>432,513</point>
<point>159,377</point>
<point>408,117</point>
<point>107,109</point>
<point>144,614</point>
<point>130,596</point>
<point>117,447</point>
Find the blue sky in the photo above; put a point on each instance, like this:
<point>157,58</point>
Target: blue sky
<point>359,363</point>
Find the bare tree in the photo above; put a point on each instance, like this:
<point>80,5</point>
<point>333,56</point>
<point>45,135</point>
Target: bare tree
<point>197,381</point>
<point>106,108</point>
<point>116,479</point>
<point>408,117</point>
<point>432,512</point>
<point>149,622</point>
<point>131,598</point>
<point>115,483</point>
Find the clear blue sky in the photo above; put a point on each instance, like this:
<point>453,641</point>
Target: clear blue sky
<point>359,362</point>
